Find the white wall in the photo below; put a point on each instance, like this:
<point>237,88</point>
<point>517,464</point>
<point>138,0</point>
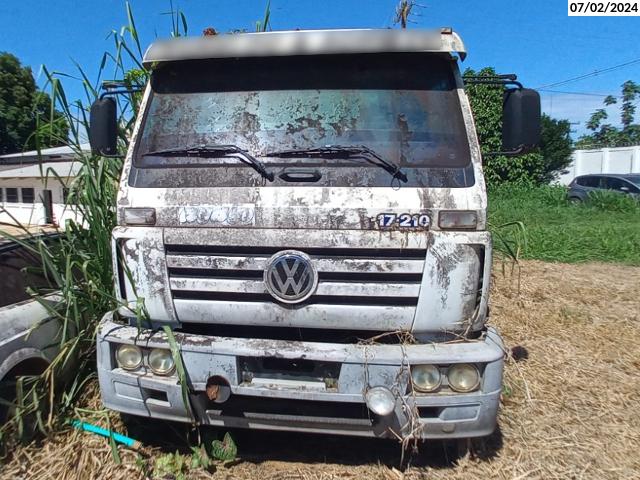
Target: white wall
<point>34,213</point>
<point>603,160</point>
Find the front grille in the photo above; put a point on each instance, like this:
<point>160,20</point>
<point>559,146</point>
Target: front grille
<point>385,277</point>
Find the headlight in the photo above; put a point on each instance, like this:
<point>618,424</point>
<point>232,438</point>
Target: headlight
<point>425,378</point>
<point>463,377</point>
<point>129,357</point>
<point>161,361</point>
<point>380,400</point>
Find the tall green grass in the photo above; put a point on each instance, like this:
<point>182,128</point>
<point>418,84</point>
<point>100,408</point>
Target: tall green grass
<point>606,228</point>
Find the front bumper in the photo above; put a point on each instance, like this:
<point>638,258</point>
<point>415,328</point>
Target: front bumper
<point>290,401</point>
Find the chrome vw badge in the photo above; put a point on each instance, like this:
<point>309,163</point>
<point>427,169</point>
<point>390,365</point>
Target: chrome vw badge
<point>290,276</point>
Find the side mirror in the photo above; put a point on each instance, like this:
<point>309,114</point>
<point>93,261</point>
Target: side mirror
<point>520,120</point>
<point>103,127</point>
<point>624,189</point>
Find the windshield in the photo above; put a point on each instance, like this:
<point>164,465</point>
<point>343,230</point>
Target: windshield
<point>403,107</point>
<point>635,179</point>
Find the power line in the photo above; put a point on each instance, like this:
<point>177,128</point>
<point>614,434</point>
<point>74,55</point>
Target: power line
<point>579,93</point>
<point>592,74</point>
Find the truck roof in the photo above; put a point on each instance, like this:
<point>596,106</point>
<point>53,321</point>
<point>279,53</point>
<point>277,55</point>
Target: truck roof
<point>304,42</point>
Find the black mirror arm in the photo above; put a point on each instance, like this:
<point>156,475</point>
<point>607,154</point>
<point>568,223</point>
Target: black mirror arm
<point>121,91</point>
<point>506,79</point>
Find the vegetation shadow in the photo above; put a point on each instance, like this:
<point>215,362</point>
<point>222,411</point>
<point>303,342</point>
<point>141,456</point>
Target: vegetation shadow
<point>257,446</point>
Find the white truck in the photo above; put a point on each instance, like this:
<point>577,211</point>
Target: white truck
<point>306,211</point>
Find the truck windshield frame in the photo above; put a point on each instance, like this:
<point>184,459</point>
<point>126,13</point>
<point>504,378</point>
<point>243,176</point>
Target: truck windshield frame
<point>404,106</point>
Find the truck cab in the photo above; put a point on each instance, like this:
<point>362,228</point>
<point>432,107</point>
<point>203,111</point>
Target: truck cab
<point>303,220</point>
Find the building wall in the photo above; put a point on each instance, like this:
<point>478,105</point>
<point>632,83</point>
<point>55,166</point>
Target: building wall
<point>603,160</point>
<point>34,213</point>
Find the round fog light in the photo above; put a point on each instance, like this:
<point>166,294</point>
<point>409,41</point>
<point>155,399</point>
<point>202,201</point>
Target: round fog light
<point>425,378</point>
<point>380,400</point>
<point>161,361</point>
<point>129,357</point>
<point>463,377</point>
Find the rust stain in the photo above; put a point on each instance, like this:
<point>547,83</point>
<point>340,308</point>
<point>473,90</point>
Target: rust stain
<point>212,391</point>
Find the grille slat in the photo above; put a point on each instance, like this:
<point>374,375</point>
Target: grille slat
<point>357,289</point>
<point>244,262</point>
<point>328,252</point>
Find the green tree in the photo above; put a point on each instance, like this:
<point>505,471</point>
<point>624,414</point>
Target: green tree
<point>630,91</point>
<point>532,168</point>
<point>606,135</point>
<point>27,120</point>
<point>556,147</point>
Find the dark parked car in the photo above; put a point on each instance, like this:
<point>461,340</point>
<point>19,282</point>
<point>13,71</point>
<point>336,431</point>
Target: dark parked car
<point>580,187</point>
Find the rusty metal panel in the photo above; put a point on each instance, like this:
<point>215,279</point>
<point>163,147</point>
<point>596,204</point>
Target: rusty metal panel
<point>341,289</point>
<point>292,208</point>
<point>142,252</point>
<point>298,238</point>
<point>369,317</point>
<point>28,331</point>
<point>450,284</point>
<point>487,348</point>
<point>239,262</point>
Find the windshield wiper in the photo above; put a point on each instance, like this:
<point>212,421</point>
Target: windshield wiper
<point>216,151</point>
<point>344,151</point>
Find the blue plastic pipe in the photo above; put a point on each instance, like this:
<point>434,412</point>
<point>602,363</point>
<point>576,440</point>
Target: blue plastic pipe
<point>88,427</point>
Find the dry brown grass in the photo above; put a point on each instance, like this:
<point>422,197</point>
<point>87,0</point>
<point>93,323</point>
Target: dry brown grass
<point>573,410</point>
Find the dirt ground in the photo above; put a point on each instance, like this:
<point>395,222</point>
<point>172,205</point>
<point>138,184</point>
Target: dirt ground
<point>571,407</point>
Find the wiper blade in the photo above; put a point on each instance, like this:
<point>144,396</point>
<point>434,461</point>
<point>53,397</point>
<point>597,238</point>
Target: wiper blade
<point>343,151</point>
<point>216,151</point>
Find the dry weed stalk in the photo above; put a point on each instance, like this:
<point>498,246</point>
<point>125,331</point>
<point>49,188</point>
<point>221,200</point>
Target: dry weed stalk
<point>402,389</point>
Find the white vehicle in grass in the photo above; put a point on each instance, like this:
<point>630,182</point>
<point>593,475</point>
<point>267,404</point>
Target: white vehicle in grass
<point>29,336</point>
<point>306,211</point>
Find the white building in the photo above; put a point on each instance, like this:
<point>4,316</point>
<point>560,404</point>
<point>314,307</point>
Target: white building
<point>602,160</point>
<point>31,193</point>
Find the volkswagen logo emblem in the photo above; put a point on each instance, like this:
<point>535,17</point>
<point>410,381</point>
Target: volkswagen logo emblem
<point>290,276</point>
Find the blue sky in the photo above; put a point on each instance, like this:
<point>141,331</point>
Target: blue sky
<point>535,39</point>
